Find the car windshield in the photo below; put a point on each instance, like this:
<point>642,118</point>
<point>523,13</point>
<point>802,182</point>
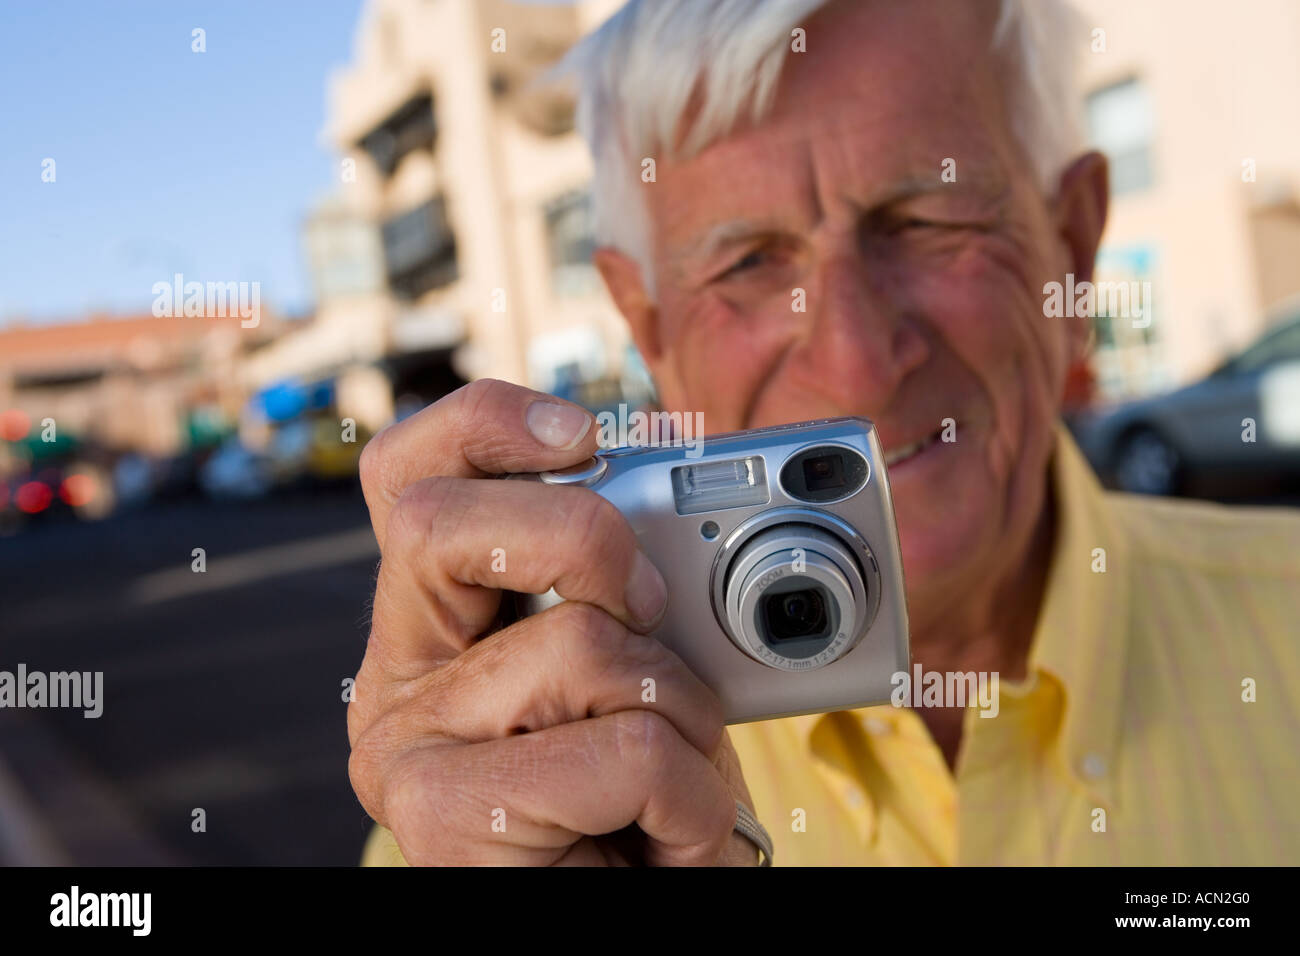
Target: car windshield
<point>1280,345</point>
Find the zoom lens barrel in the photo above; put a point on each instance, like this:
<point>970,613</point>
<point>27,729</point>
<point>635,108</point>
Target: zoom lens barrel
<point>795,597</point>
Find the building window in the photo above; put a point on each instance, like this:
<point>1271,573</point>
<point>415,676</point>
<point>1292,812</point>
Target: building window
<point>419,250</point>
<point>1127,355</point>
<point>1120,125</point>
<point>571,241</point>
<point>346,258</point>
<point>410,128</point>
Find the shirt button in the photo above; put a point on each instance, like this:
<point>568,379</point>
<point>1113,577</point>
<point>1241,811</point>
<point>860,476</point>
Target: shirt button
<point>854,797</point>
<point>1093,766</point>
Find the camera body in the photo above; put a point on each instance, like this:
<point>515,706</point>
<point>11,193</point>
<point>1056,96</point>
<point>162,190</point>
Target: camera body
<point>780,551</point>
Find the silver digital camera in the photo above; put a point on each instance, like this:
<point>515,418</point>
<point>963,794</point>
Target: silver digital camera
<point>780,551</point>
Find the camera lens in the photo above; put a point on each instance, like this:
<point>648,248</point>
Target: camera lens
<point>795,614</point>
<point>794,597</point>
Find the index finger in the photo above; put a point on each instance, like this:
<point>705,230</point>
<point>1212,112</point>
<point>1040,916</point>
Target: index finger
<point>486,427</point>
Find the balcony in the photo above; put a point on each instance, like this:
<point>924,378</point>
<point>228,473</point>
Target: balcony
<point>410,127</point>
<point>419,250</point>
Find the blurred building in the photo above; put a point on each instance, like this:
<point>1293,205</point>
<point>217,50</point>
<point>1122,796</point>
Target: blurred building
<point>1195,104</point>
<point>459,241</point>
<point>129,383</point>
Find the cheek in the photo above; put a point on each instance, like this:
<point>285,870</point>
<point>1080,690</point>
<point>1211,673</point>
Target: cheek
<point>719,358</point>
<point>986,306</point>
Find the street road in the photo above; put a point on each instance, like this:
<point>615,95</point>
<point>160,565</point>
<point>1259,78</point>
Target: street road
<point>222,689</point>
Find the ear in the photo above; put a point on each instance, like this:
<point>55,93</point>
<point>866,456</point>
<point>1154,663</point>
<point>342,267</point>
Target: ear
<point>1080,212</point>
<point>626,287</point>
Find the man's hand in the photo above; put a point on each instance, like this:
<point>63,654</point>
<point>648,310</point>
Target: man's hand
<point>530,744</point>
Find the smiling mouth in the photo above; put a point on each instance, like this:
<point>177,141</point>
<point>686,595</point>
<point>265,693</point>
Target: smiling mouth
<point>898,455</point>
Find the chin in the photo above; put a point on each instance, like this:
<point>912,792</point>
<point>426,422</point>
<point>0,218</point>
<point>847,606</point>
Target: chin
<point>943,538</point>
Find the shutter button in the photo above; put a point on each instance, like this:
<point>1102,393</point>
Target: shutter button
<point>584,473</point>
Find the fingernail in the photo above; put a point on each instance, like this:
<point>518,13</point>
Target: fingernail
<point>647,594</point>
<point>559,426</point>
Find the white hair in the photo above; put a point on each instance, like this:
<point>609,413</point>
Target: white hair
<point>650,62</point>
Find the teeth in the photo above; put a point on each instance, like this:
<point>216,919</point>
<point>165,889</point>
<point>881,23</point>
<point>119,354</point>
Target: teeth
<point>907,451</point>
<point>898,454</point>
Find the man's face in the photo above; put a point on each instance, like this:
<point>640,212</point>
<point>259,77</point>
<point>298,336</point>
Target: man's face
<point>923,297</point>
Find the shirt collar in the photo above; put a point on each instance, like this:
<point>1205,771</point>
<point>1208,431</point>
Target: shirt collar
<point>1081,635</point>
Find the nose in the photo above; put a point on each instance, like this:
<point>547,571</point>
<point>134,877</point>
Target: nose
<point>861,344</point>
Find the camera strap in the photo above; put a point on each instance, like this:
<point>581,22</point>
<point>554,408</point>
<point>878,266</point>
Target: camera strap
<point>747,825</point>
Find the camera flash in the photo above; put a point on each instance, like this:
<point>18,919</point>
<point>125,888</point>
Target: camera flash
<point>715,485</point>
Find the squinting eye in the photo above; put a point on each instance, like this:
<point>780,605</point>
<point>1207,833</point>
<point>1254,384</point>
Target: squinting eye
<point>749,261</point>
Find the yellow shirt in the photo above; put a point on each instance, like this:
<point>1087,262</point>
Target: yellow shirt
<point>1159,723</point>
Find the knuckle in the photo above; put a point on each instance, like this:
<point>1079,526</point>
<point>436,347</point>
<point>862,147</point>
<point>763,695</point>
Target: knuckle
<point>432,803</point>
<point>592,640</point>
<point>400,727</point>
<point>412,804</point>
<point>393,770</point>
<point>645,738</point>
<point>491,424</point>
<point>421,507</point>
<point>480,401</point>
<point>597,531</point>
<point>365,764</point>
<point>596,517</point>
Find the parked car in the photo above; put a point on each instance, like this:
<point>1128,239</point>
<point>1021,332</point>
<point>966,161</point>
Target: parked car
<point>1241,422</point>
<point>330,459</point>
<point>235,472</point>
<point>288,450</point>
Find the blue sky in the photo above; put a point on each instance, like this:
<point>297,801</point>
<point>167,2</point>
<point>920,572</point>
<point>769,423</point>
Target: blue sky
<point>166,160</point>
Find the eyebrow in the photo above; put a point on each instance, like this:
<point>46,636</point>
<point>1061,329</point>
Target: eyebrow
<point>734,231</point>
<point>723,234</point>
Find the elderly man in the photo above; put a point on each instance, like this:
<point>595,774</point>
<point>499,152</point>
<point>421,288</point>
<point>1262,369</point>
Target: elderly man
<point>914,168</point>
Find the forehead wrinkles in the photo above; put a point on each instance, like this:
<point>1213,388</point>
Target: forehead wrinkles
<point>763,176</point>
<point>919,73</point>
<point>790,176</point>
<point>854,44</point>
<point>887,91</point>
